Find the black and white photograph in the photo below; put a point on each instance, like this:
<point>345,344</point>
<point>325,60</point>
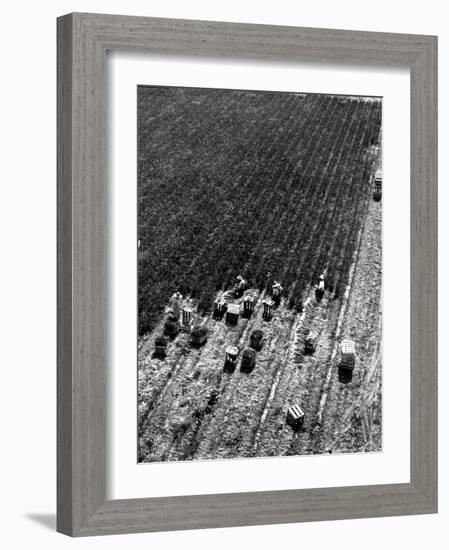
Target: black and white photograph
<point>259,251</point>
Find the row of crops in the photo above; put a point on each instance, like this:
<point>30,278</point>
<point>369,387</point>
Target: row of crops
<point>266,185</point>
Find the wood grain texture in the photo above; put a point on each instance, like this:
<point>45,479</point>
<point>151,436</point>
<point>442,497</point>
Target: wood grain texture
<point>83,40</point>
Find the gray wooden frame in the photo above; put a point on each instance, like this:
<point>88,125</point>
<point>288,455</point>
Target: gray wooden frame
<point>83,40</point>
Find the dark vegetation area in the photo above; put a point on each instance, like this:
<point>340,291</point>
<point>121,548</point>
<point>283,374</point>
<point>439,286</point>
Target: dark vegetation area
<point>262,184</point>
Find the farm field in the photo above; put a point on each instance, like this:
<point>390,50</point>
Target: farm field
<point>270,187</point>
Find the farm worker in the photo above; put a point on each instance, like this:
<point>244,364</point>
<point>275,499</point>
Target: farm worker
<point>240,281</point>
<point>175,303</point>
<point>177,297</point>
<point>321,283</point>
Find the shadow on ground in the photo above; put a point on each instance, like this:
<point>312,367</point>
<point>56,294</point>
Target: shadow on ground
<point>46,520</point>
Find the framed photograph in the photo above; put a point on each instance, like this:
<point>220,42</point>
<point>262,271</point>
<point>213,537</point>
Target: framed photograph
<point>247,274</point>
